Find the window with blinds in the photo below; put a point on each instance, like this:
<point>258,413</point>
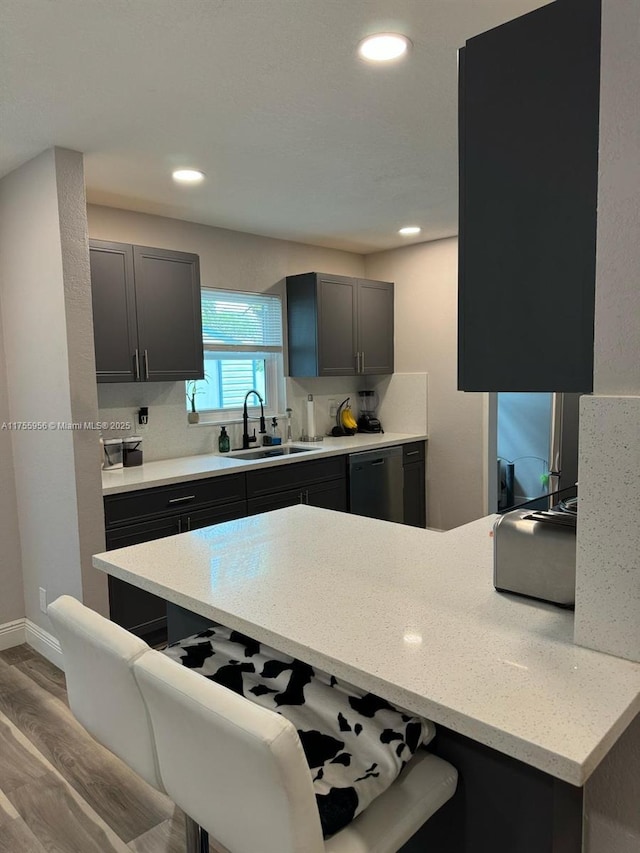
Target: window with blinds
<point>242,337</point>
<point>233,320</point>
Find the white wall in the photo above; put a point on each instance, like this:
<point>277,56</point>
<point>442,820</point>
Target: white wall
<point>50,377</point>
<point>81,367</point>
<point>608,564</point>
<point>229,260</point>
<point>426,292</point>
<point>12,596</point>
<point>608,591</point>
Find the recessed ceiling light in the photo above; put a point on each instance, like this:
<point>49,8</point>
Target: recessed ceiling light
<point>383,47</point>
<point>188,176</point>
<point>410,230</point>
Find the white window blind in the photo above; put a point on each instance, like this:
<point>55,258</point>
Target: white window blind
<point>239,321</point>
<point>242,337</point>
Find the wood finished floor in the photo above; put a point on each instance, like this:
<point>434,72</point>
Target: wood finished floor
<point>60,791</point>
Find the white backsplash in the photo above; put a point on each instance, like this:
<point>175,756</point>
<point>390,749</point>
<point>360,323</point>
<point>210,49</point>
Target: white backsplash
<point>324,389</point>
<point>402,408</point>
<point>404,402</point>
<point>167,434</point>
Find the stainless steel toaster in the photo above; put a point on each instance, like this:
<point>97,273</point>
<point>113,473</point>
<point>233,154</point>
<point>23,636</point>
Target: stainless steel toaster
<point>534,554</point>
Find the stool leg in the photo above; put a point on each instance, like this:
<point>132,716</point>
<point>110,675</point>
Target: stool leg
<point>192,835</point>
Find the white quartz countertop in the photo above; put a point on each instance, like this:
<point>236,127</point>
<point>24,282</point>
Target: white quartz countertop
<point>408,614</point>
<point>167,471</point>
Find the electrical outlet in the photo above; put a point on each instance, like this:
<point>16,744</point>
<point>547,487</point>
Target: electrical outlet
<point>43,599</point>
<point>333,408</point>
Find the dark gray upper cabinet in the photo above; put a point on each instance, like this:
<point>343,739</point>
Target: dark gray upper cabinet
<point>375,326</point>
<point>146,313</point>
<point>115,331</point>
<point>528,113</point>
<point>339,326</point>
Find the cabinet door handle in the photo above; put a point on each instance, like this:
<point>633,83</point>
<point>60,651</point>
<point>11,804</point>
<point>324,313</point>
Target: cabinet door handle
<point>179,525</point>
<point>306,497</point>
<point>182,500</point>
<point>136,360</point>
<point>145,356</point>
<point>301,498</point>
<point>362,361</point>
<point>357,362</point>
<point>188,522</point>
<point>378,462</point>
<point>412,453</point>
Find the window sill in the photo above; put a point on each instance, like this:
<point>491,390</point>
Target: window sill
<point>253,419</point>
<point>215,423</point>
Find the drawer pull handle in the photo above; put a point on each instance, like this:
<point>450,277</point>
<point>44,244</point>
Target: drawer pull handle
<point>182,500</point>
<point>378,462</point>
<point>412,453</point>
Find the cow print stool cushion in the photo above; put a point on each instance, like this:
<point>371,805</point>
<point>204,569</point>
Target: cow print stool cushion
<point>355,743</point>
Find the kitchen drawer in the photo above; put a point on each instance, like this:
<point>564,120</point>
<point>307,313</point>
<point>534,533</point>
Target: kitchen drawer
<point>182,498</point>
<point>412,452</point>
<point>295,475</point>
<point>146,531</point>
<point>212,515</point>
<point>331,494</point>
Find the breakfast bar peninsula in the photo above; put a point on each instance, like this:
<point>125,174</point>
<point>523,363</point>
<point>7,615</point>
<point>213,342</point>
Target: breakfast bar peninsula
<point>411,615</point>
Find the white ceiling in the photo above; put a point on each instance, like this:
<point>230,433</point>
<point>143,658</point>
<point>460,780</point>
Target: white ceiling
<point>299,139</point>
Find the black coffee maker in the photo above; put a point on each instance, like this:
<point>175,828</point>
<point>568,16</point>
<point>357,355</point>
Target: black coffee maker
<point>367,420</point>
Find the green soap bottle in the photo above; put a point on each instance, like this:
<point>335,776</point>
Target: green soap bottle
<point>224,446</point>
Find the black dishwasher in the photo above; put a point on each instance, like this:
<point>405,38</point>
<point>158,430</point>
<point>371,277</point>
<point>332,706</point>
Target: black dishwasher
<point>376,483</point>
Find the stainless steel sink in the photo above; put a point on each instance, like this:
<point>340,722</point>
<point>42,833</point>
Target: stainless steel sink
<point>267,453</point>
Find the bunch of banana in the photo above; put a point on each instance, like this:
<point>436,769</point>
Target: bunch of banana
<point>347,419</point>
<point>345,422</point>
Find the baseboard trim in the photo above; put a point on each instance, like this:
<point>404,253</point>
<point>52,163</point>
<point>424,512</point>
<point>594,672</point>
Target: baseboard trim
<point>44,642</point>
<point>12,634</point>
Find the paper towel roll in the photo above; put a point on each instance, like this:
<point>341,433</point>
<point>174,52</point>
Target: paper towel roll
<point>311,417</point>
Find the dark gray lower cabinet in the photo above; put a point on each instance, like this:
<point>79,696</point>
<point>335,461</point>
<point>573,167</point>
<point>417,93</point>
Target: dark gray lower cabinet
<point>322,483</point>
<point>156,513</point>
<point>140,612</point>
<point>501,805</point>
<point>331,495</point>
<point>414,469</point>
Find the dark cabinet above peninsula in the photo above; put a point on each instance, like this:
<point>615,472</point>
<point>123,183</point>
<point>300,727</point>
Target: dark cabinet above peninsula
<point>339,326</point>
<point>146,313</point>
<point>528,112</point>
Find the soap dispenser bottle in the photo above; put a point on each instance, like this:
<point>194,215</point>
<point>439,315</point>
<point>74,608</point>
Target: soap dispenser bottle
<point>224,445</point>
<point>276,437</point>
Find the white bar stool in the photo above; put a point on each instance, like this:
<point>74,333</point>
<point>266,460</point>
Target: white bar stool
<point>240,771</point>
<point>103,694</point>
